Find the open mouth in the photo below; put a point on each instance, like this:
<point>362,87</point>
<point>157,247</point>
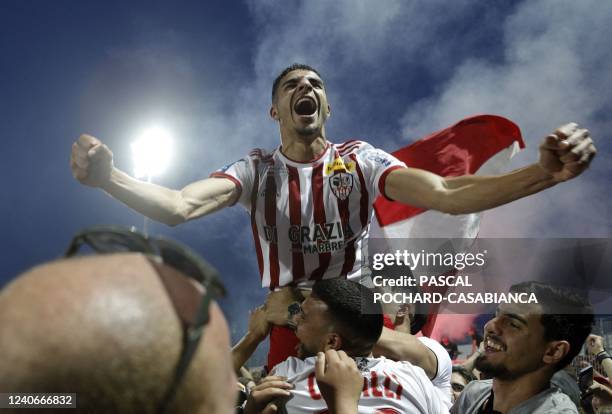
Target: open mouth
<point>305,106</point>
<point>492,345</point>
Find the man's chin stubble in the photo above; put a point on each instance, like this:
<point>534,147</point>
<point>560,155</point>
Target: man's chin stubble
<point>497,371</point>
<point>303,353</point>
<point>308,131</point>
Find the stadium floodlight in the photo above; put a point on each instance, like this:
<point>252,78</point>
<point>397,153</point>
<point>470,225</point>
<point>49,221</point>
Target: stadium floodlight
<point>151,153</point>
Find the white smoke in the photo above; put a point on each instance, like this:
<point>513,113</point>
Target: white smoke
<point>394,71</point>
<point>551,65</point>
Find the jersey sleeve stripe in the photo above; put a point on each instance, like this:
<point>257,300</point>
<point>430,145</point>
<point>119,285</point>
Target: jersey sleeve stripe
<point>383,178</point>
<point>347,150</point>
<point>295,218</point>
<point>254,194</point>
<point>347,143</point>
<point>319,218</point>
<point>231,178</point>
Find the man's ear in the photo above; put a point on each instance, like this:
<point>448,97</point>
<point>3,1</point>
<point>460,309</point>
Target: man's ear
<point>273,113</point>
<point>555,352</point>
<point>328,110</point>
<point>334,341</point>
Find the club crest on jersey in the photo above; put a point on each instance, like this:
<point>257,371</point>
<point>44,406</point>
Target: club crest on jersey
<point>341,184</point>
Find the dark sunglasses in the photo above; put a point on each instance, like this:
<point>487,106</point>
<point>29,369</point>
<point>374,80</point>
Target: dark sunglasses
<point>109,239</point>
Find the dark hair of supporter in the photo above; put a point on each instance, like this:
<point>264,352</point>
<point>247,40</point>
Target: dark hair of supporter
<point>356,318</point>
<point>295,66</point>
<point>467,375</point>
<point>566,315</point>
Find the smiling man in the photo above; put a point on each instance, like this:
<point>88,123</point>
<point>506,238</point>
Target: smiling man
<point>525,344</point>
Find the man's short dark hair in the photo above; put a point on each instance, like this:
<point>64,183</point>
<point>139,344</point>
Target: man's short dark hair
<point>467,375</point>
<point>295,66</point>
<point>566,315</point>
<point>358,320</point>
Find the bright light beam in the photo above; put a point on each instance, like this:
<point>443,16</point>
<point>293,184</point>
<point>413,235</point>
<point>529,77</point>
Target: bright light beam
<point>152,153</point>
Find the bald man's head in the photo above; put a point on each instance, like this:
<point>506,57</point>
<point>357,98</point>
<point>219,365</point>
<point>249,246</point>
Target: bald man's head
<point>105,328</point>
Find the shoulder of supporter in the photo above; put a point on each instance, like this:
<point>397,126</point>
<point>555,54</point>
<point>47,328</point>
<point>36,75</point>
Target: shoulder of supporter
<point>551,400</point>
<point>242,173</point>
<point>548,401</point>
<point>350,146</point>
<point>439,398</point>
<point>472,397</point>
<point>256,154</point>
<point>566,384</point>
<point>445,365</point>
<point>289,367</point>
<point>407,366</point>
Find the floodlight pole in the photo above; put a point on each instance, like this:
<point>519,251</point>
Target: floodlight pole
<point>145,224</point>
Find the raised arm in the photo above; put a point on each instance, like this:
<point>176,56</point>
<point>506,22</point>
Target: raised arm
<point>92,164</point>
<point>402,346</point>
<point>258,330</point>
<point>564,154</point>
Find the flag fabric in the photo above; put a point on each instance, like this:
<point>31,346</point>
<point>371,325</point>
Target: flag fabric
<point>479,145</point>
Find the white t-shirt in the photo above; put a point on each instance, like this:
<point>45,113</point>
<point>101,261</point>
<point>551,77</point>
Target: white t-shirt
<point>309,219</point>
<point>389,387</point>
<point>442,380</point>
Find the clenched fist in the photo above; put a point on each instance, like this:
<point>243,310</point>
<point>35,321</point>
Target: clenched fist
<point>91,161</point>
<point>567,152</point>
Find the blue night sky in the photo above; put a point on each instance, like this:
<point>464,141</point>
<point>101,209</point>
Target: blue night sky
<point>395,70</point>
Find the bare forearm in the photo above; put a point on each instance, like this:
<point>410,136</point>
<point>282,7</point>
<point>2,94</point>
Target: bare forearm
<point>400,346</point>
<point>154,201</point>
<point>474,193</point>
<point>242,351</point>
<point>169,206</point>
<point>465,194</point>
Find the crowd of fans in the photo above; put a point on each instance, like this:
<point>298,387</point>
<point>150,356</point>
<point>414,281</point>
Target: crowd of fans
<point>133,332</point>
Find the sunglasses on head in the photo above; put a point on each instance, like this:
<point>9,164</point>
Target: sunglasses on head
<point>109,239</point>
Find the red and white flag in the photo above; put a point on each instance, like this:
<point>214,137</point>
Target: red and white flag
<point>480,145</point>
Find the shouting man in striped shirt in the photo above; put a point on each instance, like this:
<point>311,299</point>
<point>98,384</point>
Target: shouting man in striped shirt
<point>310,200</point>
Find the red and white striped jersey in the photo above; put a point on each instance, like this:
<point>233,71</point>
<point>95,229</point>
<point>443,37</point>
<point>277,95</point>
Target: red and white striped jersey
<point>309,219</point>
<point>388,387</point>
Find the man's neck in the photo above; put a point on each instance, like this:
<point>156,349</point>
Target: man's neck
<point>303,149</point>
<point>510,393</point>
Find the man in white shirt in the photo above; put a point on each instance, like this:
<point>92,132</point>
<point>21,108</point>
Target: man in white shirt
<point>341,315</point>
